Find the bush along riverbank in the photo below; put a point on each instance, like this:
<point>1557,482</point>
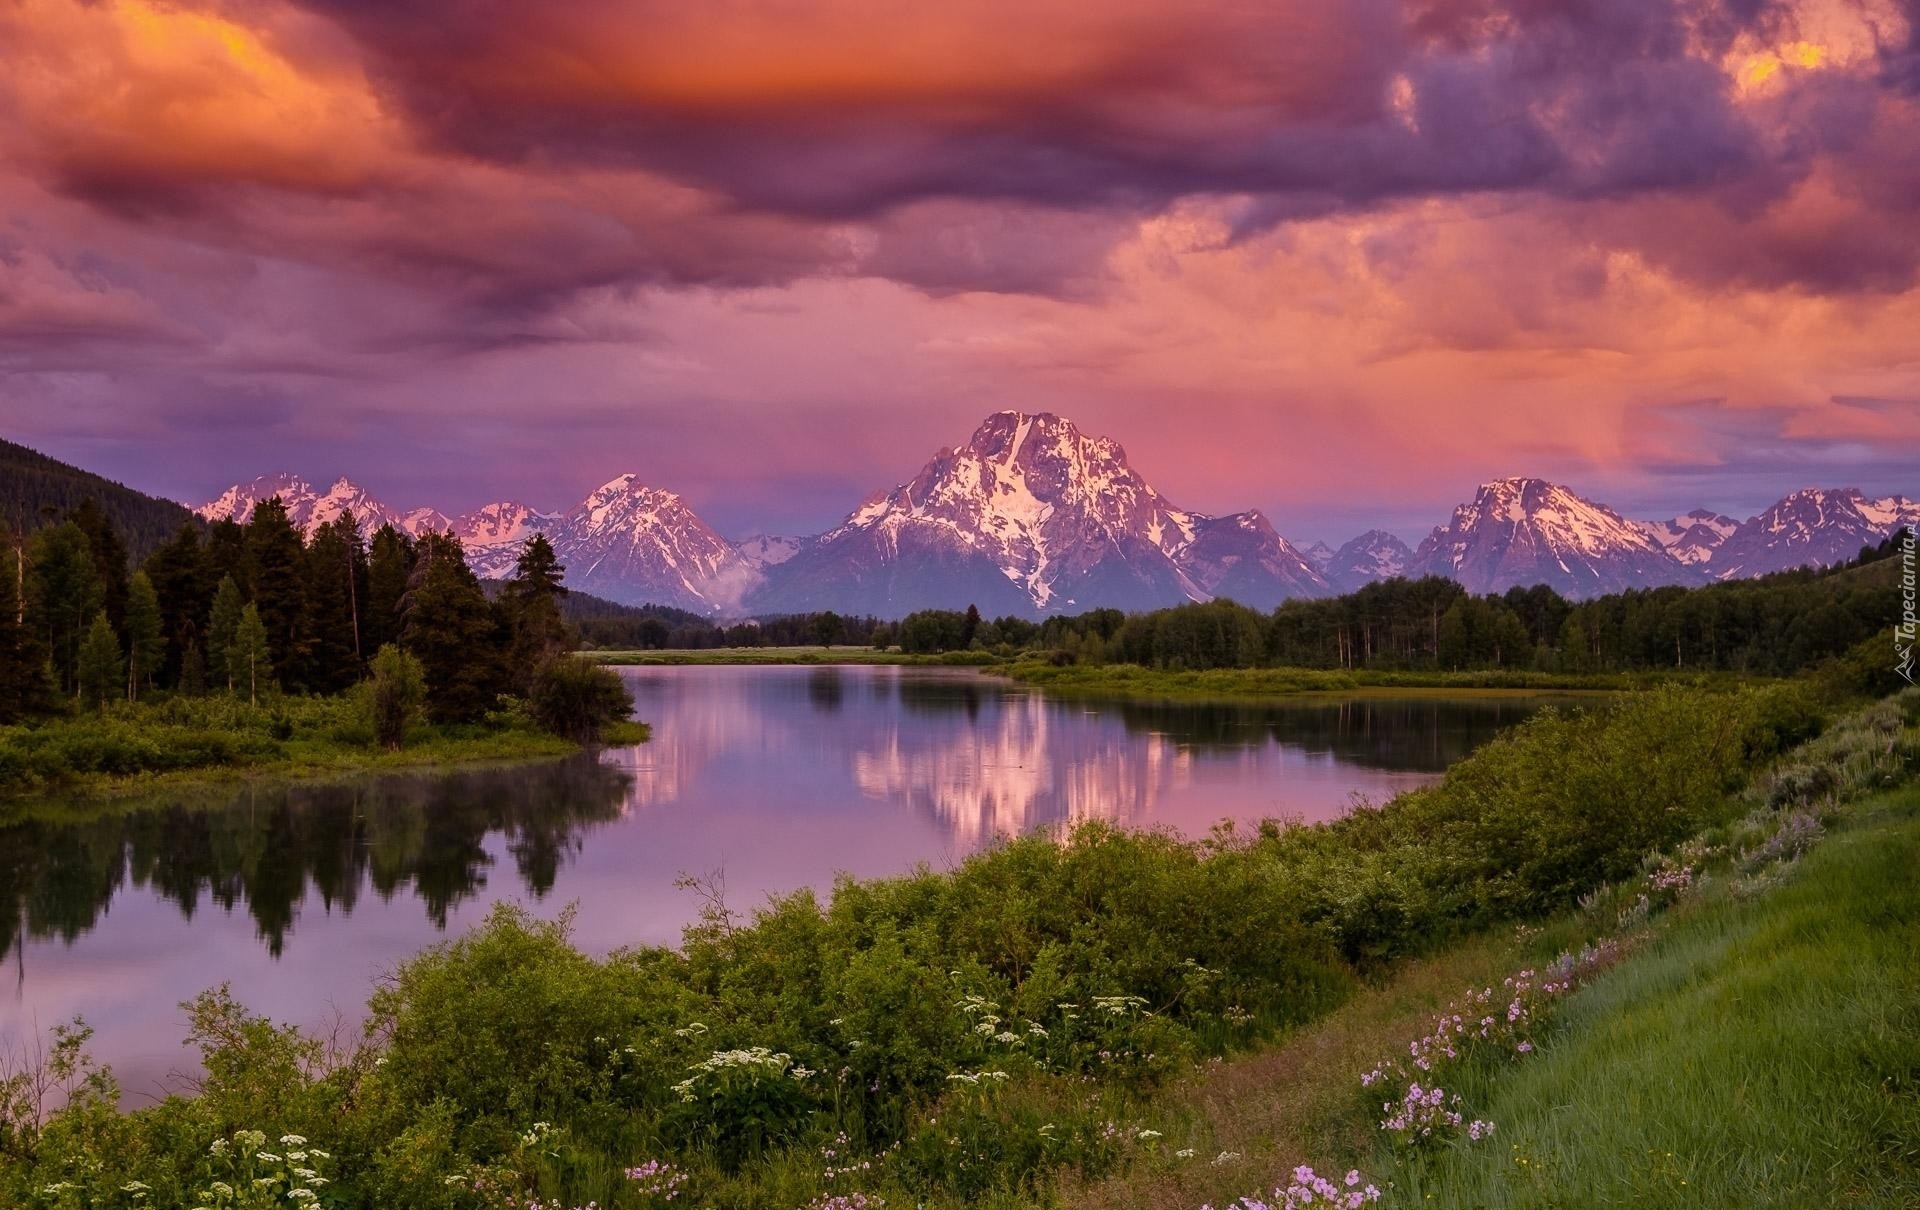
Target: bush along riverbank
<point>1732,1026</point>
<point>990,1036</point>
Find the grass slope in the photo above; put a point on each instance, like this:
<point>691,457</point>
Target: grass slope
<point>1762,1053</point>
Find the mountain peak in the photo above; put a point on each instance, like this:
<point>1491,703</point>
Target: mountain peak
<point>1522,531</point>
<point>1057,515</point>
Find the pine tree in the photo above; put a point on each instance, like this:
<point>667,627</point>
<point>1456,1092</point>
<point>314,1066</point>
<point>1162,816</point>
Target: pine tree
<point>531,602</point>
<point>336,574</point>
<point>222,627</point>
<point>275,555</point>
<point>452,629</point>
<point>23,688</point>
<point>109,556</point>
<point>146,642</point>
<point>227,552</point>
<point>101,672</point>
<point>193,672</point>
<point>250,656</point>
<point>389,565</point>
<point>179,571</point>
<point>63,594</point>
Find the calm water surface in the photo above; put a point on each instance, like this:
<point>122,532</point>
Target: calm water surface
<point>779,778</point>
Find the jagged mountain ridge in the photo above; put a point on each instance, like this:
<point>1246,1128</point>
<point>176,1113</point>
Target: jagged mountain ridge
<point>1519,532</point>
<point>1033,516</point>
<point>1813,527</point>
<point>1374,555</point>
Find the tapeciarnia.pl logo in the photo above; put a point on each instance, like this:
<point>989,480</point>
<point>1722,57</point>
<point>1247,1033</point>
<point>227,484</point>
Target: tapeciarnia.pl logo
<point>1903,633</point>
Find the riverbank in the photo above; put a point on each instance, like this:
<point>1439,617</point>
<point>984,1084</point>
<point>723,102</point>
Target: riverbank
<point>132,750</point>
<point>1751,1042</point>
<point>789,655</point>
<point>1133,680</point>
<point>1019,1025</point>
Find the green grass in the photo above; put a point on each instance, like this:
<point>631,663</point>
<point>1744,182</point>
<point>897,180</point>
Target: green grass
<point>1762,1052</point>
<point>787,655</point>
<point>1229,683</point>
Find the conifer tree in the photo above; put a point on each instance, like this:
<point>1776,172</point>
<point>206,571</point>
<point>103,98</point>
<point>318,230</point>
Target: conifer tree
<point>389,565</point>
<point>227,552</point>
<point>146,642</point>
<point>23,687</point>
<point>451,627</point>
<point>64,593</point>
<point>531,602</point>
<point>222,626</point>
<point>250,656</point>
<point>179,571</point>
<point>336,574</point>
<point>102,673</point>
<point>275,554</point>
<point>109,557</point>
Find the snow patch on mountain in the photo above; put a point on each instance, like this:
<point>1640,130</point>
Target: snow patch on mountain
<point>1519,532</point>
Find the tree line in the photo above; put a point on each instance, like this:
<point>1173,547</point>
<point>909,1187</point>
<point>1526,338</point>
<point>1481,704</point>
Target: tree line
<point>258,608</point>
<point>1776,625</point>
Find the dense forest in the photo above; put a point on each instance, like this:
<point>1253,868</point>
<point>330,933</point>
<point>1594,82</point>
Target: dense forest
<point>257,609</point>
<point>1777,625</point>
<point>37,491</point>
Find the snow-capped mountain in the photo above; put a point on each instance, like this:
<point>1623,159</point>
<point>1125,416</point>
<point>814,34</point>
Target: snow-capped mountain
<point>625,541</point>
<point>494,535</point>
<point>768,550</point>
<point>1692,539</point>
<point>1033,516</point>
<point>309,508</point>
<point>1241,557</point>
<point>1520,532</point>
<point>633,543</point>
<point>1374,555</point>
<point>1815,527</point>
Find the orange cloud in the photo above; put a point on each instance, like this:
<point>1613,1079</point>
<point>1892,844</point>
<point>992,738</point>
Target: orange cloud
<point>128,94</point>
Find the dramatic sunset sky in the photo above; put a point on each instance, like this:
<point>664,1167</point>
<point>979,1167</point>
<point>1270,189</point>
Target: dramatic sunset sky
<point>1339,260</point>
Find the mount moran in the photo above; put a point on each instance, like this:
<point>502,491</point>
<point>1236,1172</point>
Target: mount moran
<point>1031,516</point>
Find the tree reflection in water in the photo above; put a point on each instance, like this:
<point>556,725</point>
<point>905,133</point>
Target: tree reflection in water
<point>265,847</point>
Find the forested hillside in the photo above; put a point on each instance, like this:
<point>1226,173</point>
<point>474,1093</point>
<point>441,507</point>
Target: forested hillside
<point>36,491</point>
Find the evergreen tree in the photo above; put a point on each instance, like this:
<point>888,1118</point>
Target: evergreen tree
<point>450,626</point>
<point>222,627</point>
<point>250,656</point>
<point>179,571</point>
<point>63,595</point>
<point>336,575</point>
<point>275,566</point>
<point>146,642</point>
<point>193,671</point>
<point>531,602</point>
<point>23,688</point>
<point>970,626</point>
<point>227,552</point>
<point>101,672</point>
<point>109,557</point>
<point>389,565</point>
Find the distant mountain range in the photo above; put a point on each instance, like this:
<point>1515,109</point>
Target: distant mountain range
<point>1032,516</point>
